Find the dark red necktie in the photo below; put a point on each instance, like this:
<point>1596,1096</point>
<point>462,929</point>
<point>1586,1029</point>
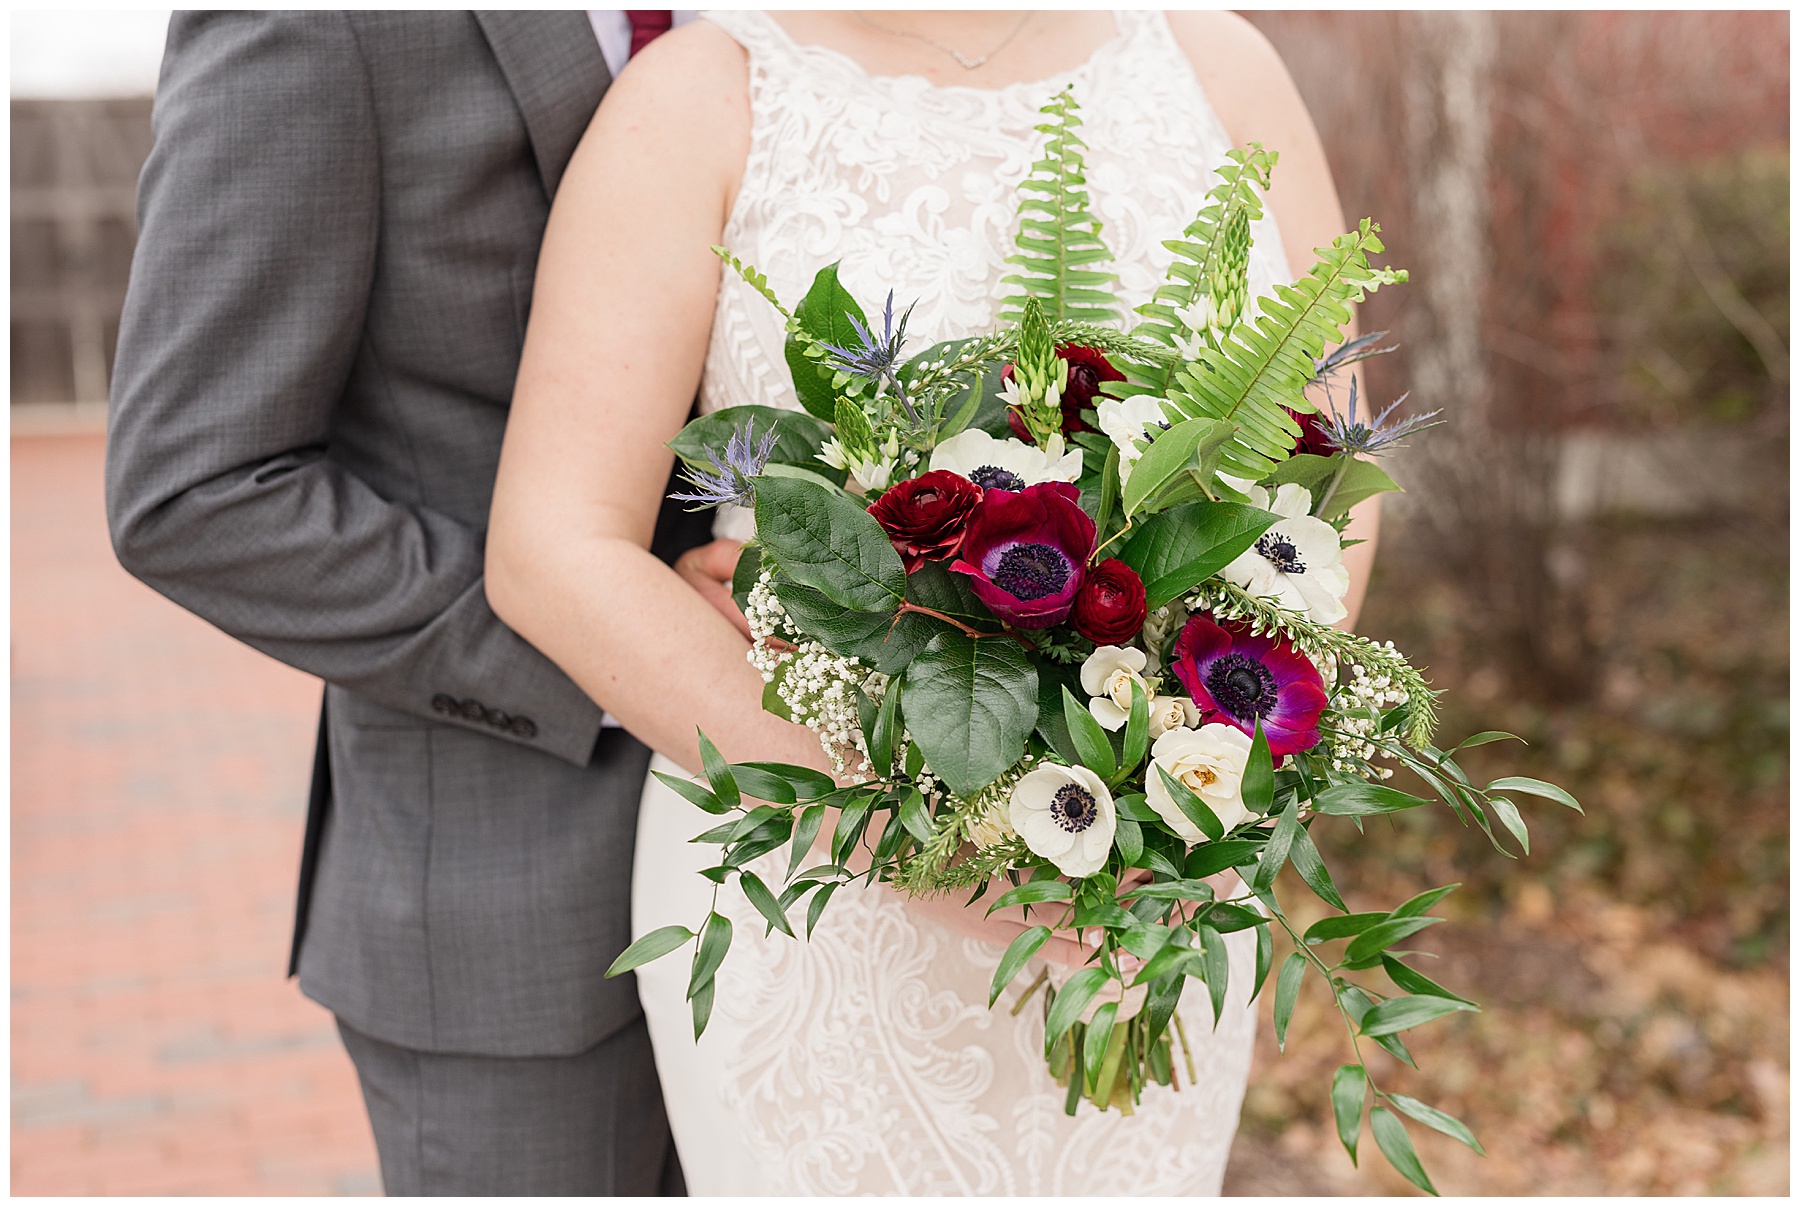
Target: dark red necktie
<point>647,25</point>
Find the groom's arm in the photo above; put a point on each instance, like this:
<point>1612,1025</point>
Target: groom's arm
<point>259,214</point>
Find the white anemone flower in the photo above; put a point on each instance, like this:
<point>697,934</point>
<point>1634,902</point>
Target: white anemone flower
<point>1066,815</point>
<point>1210,763</point>
<point>1005,464</point>
<point>1172,712</point>
<point>1126,422</point>
<point>1299,561</point>
<point>1107,676</point>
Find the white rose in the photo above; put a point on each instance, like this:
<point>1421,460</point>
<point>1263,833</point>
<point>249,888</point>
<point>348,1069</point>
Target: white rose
<point>1210,763</point>
<point>1172,712</point>
<point>1066,815</point>
<point>1107,675</point>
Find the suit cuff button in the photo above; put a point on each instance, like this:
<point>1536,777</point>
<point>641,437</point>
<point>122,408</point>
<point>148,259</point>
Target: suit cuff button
<point>499,720</point>
<point>473,711</point>
<point>445,706</point>
<point>522,727</point>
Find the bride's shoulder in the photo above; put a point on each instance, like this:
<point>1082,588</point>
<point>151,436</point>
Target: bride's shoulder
<point>1243,75</point>
<point>697,65</point>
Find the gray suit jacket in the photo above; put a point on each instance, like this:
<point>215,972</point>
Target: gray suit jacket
<point>339,229</point>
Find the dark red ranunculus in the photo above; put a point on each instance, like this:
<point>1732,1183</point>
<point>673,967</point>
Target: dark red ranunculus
<point>1237,678</point>
<point>1026,553</point>
<point>1312,434</point>
<point>1088,368</point>
<point>1110,607</point>
<point>926,516</point>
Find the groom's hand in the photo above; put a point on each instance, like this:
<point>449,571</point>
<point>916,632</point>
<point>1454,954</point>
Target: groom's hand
<point>708,569</point>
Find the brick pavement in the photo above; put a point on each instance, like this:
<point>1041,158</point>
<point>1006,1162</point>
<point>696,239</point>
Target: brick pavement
<point>159,773</point>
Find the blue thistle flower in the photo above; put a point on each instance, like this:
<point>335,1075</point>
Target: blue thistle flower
<point>1345,434</point>
<point>877,357</point>
<point>737,468</point>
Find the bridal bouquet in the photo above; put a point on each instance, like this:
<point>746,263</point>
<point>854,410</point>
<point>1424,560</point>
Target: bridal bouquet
<point>1059,602</point>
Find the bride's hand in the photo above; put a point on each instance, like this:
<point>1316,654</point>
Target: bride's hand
<point>708,569</point>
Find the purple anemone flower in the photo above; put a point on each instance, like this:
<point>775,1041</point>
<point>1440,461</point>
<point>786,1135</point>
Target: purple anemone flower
<point>1026,551</point>
<point>1238,678</point>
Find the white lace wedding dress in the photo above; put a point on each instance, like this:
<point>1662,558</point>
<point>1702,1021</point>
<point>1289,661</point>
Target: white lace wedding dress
<point>866,1060</point>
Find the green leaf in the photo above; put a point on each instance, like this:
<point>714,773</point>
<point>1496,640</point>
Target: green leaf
<point>759,895</point>
<point>825,541</point>
<point>1413,981</point>
<point>1034,892</point>
<point>1397,1147</point>
<point>1508,813</point>
<point>817,906</point>
<point>1018,953</point>
<point>1214,857</point>
<point>1483,738</point>
<point>1403,1013</point>
<point>746,572</point>
<point>872,637</point>
<point>1099,1034</point>
<point>1364,949</point>
<point>1265,955</point>
<point>1175,890</point>
<point>1167,456</point>
<point>694,793</point>
<point>970,705</point>
<point>701,1001</point>
<point>887,728</point>
<point>914,817</point>
<point>718,773</point>
<point>1287,992</point>
<point>1259,774</point>
<point>1172,958</point>
<point>1349,1086</point>
<point>1341,927</point>
<point>797,438</point>
<point>1363,800</point>
<point>1137,729</point>
<point>1090,740</point>
<point>1071,1000</point>
<point>758,784</point>
<point>715,941</point>
<point>1361,480</point>
<point>1268,866</point>
<point>1216,961</point>
<point>1175,550</point>
<point>659,942</point>
<point>823,317</point>
<point>1306,860</point>
<point>1128,838</point>
<point>1531,787</point>
<point>1433,1118</point>
<point>1424,901</point>
<point>1135,806</point>
<point>849,826</point>
<point>1195,809</point>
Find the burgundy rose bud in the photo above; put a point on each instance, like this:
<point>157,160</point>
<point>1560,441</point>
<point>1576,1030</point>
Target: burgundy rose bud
<point>1088,368</point>
<point>1025,553</point>
<point>927,516</point>
<point>1110,607</point>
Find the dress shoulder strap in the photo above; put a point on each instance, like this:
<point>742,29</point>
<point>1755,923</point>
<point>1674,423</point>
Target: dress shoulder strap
<point>755,31</point>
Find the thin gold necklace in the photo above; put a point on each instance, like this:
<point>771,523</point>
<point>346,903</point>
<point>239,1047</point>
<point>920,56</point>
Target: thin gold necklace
<point>967,63</point>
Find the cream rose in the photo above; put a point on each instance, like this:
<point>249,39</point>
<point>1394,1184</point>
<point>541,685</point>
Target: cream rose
<point>1171,712</point>
<point>1107,676</point>
<point>1210,762</point>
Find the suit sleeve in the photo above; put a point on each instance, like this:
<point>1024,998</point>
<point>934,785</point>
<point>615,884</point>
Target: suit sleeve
<point>259,214</point>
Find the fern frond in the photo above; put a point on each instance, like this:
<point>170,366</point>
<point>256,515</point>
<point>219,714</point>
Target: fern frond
<point>756,280</point>
<point>1059,238</point>
<point>1263,366</point>
<point>1214,248</point>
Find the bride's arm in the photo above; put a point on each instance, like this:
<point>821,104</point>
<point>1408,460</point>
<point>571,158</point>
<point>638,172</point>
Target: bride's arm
<point>1256,100</point>
<point>620,318</point>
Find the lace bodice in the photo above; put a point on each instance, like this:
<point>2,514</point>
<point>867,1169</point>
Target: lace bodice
<point>865,1059</point>
<point>912,187</point>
